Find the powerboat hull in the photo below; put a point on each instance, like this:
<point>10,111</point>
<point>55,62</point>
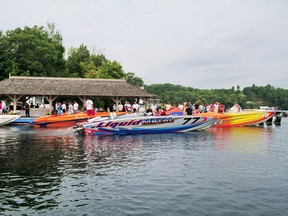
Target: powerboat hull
<point>148,125</point>
<point>239,119</point>
<point>6,119</point>
<point>66,120</point>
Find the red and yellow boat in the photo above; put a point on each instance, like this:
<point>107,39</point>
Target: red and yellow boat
<point>67,120</point>
<point>239,119</point>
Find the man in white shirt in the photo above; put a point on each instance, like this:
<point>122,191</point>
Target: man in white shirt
<point>128,107</point>
<point>75,107</point>
<point>135,107</point>
<point>89,107</point>
<point>70,108</point>
<point>181,106</point>
<point>64,107</point>
<point>120,107</point>
<point>153,107</point>
<point>4,106</point>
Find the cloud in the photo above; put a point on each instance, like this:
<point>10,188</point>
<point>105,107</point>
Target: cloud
<point>197,43</point>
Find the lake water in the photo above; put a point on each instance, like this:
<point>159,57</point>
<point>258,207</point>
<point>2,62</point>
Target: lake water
<point>236,171</point>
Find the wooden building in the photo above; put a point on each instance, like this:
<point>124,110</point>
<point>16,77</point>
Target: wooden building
<point>17,87</point>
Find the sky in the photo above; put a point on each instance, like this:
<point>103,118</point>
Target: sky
<point>206,44</point>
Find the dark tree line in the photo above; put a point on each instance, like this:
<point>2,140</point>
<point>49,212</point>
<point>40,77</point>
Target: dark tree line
<point>267,95</point>
<point>249,97</point>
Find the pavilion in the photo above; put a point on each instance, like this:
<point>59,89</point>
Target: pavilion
<point>16,87</point>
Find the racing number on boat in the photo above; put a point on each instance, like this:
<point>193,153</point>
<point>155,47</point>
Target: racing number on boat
<point>189,119</point>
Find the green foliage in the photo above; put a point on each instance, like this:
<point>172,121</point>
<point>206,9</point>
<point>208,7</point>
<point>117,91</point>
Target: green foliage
<point>38,51</point>
<point>111,70</point>
<point>92,74</point>
<point>267,95</point>
<point>77,60</point>
<point>99,103</point>
<point>250,97</point>
<point>98,60</point>
<point>5,62</point>
<point>89,69</point>
<point>34,51</point>
<point>133,79</point>
<point>81,63</point>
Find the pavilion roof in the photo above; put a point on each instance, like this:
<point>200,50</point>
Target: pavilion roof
<point>59,86</point>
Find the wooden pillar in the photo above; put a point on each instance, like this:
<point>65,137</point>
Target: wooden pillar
<point>50,100</point>
<point>116,100</point>
<point>15,99</point>
<point>146,103</point>
<point>83,99</point>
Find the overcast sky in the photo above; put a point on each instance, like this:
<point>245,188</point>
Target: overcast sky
<point>203,44</point>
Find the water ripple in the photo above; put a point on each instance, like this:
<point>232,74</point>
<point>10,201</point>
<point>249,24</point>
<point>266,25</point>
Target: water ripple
<point>238,171</point>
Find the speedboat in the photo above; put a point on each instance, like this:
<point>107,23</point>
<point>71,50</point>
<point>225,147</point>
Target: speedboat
<point>241,118</point>
<point>67,120</point>
<point>6,119</point>
<point>147,124</point>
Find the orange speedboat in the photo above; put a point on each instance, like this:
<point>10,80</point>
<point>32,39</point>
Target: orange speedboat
<point>67,120</point>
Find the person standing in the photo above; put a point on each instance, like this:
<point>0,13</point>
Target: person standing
<point>181,107</point>
<point>168,106</point>
<point>216,106</point>
<point>27,109</point>
<point>75,107</point>
<point>128,107</point>
<point>64,107</point>
<point>153,107</point>
<point>196,105</point>
<point>188,110</point>
<point>89,107</point>
<point>4,106</point>
<point>70,108</point>
<point>114,108</point>
<point>120,107</point>
<point>135,107</point>
<point>59,109</point>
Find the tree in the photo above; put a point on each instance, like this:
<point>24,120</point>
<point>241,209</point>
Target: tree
<point>98,60</point>
<point>133,79</point>
<point>4,57</point>
<point>90,71</point>
<point>76,57</point>
<point>34,51</point>
<point>111,70</point>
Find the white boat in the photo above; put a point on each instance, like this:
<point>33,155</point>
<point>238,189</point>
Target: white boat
<point>6,119</point>
<point>146,124</point>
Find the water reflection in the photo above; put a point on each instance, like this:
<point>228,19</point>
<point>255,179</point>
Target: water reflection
<point>56,172</point>
<point>34,163</point>
<point>103,148</point>
<point>29,169</point>
<point>245,139</point>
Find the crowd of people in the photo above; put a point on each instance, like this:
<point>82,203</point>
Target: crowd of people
<point>4,109</point>
<point>127,107</point>
<point>187,108</point>
<point>70,108</point>
<point>73,108</point>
